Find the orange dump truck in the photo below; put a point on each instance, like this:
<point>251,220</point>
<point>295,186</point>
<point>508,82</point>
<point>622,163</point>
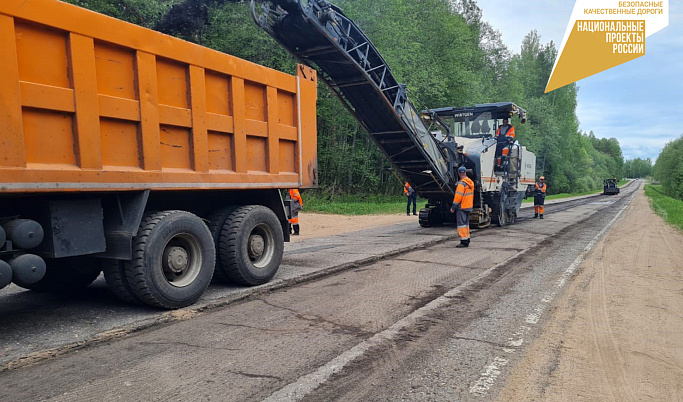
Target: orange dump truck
<point>152,159</point>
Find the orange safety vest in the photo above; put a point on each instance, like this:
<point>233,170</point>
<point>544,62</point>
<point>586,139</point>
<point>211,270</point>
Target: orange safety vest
<point>294,194</point>
<point>510,133</point>
<point>464,194</point>
<point>542,188</point>
<point>406,188</point>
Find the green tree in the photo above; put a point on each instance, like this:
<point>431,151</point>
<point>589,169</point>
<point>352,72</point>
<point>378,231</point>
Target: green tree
<point>637,168</point>
<point>146,13</point>
<point>669,168</point>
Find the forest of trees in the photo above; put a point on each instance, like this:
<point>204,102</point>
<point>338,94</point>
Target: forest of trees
<point>669,168</point>
<point>445,53</point>
<point>637,168</point>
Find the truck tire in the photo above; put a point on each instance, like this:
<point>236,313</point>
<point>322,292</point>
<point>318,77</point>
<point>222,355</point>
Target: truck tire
<point>216,222</point>
<point>251,245</point>
<point>173,260</point>
<point>65,275</point>
<point>115,275</point>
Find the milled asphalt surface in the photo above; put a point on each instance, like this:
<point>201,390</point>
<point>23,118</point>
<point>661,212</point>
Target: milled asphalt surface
<point>33,322</point>
<point>37,326</point>
<point>464,349</point>
<point>434,323</point>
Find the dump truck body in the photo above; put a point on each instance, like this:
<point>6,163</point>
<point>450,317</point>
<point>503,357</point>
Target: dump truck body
<point>93,103</point>
<point>103,121</point>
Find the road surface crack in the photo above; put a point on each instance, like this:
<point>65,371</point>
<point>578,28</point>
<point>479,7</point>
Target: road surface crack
<point>252,375</point>
<point>429,262</point>
<point>496,344</point>
<point>190,345</point>
<point>279,331</point>
<point>318,320</point>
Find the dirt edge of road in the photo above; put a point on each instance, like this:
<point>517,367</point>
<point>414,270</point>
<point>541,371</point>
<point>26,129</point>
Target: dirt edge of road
<point>615,333</point>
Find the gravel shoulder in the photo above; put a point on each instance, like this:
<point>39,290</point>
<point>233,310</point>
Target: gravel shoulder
<point>615,333</point>
<point>314,225</point>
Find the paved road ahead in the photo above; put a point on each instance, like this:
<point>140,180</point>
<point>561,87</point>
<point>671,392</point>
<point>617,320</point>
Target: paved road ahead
<point>434,323</point>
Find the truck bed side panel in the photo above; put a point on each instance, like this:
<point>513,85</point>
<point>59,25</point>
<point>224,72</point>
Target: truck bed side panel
<point>89,102</point>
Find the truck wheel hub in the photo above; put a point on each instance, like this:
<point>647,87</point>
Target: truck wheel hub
<point>176,259</point>
<point>256,245</point>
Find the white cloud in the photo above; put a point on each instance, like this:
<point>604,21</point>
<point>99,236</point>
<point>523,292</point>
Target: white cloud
<point>642,129</point>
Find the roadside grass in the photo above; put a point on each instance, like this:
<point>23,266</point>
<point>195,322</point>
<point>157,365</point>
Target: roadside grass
<point>362,204</point>
<point>668,208</point>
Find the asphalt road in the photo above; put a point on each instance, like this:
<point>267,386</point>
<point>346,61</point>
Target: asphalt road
<point>405,317</point>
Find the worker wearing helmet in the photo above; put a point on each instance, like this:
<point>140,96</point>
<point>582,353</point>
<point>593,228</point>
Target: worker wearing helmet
<point>505,136</point>
<point>539,197</point>
<point>412,198</point>
<point>462,206</point>
<point>297,205</point>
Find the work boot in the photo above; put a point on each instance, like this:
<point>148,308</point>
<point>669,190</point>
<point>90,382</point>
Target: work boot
<point>296,230</point>
<point>414,214</point>
<point>536,215</point>
<point>541,216</point>
<point>463,243</point>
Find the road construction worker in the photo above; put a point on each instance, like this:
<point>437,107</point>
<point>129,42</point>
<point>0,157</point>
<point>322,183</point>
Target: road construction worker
<point>412,198</point>
<point>539,197</point>
<point>505,135</point>
<point>462,206</point>
<point>297,205</point>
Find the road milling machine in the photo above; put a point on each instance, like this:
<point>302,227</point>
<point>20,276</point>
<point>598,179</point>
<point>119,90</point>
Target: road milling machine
<point>501,181</point>
<point>425,148</point>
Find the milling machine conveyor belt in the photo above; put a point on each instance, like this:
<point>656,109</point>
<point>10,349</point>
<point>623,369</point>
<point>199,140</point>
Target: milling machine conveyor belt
<point>321,36</point>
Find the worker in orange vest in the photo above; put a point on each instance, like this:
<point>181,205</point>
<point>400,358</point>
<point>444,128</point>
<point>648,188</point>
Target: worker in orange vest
<point>462,206</point>
<point>539,197</point>
<point>505,135</point>
<point>412,198</point>
<point>297,205</point>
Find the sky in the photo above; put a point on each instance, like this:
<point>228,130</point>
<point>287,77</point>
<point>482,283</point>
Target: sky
<point>638,102</point>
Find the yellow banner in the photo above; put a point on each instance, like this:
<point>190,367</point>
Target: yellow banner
<point>602,34</point>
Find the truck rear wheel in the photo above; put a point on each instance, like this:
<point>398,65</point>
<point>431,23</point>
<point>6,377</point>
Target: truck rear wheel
<point>173,260</point>
<point>251,245</point>
<point>67,274</point>
<point>115,274</point>
<point>216,222</point>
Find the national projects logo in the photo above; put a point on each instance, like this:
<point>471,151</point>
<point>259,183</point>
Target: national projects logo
<point>602,34</point>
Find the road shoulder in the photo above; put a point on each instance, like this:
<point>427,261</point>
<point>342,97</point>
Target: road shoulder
<point>615,333</point>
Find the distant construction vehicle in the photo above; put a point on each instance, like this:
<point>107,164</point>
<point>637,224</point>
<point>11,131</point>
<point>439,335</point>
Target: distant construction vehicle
<point>610,187</point>
<point>320,35</point>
